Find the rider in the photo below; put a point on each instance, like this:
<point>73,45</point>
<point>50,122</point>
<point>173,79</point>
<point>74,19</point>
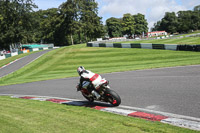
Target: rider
<point>89,80</point>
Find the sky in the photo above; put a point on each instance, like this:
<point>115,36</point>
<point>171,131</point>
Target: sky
<point>154,10</point>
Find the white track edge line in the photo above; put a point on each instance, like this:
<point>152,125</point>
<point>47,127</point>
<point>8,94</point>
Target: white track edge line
<point>162,113</point>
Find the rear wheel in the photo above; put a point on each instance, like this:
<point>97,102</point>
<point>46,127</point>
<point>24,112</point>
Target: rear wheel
<point>113,98</point>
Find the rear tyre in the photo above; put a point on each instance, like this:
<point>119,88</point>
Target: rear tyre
<point>113,98</point>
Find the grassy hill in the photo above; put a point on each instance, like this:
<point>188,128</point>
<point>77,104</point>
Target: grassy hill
<point>63,62</point>
<point>186,40</point>
<point>20,115</point>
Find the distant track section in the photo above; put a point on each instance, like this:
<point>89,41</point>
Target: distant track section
<point>17,64</point>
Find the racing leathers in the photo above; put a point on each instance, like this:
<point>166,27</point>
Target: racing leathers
<point>90,81</point>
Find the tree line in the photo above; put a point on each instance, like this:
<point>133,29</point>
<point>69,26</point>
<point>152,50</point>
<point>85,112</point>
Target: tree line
<point>77,21</point>
<point>73,22</point>
<point>128,25</point>
<point>182,22</point>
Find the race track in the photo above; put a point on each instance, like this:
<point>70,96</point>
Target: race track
<point>173,90</point>
<point>20,63</point>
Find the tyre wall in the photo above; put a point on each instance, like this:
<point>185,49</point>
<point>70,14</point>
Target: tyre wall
<point>147,46</point>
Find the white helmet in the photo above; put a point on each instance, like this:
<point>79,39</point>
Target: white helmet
<point>80,70</point>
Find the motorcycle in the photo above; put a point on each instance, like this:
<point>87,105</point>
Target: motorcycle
<point>106,94</point>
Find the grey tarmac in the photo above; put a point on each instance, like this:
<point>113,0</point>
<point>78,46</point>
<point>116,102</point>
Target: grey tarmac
<point>174,90</point>
<point>20,63</point>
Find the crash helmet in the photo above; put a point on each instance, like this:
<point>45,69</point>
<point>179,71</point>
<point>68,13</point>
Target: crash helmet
<point>80,70</point>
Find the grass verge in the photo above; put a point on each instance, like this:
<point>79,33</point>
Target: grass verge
<point>186,40</point>
<point>63,62</point>
<point>20,116</point>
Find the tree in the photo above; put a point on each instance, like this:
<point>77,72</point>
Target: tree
<point>157,26</point>
<point>75,21</point>
<point>80,17</point>
<point>128,24</point>
<point>183,22</point>
<point>70,10</point>
<point>169,23</point>
<point>195,20</point>
<point>196,17</point>
<point>92,25</point>
<point>16,23</point>
<point>114,27</point>
<point>140,24</point>
<point>48,23</point>
<point>197,8</point>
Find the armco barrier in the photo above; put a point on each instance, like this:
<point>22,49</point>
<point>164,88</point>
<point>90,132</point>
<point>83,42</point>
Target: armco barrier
<point>15,53</point>
<point>170,46</point>
<point>117,45</point>
<point>8,55</point>
<point>158,46</point>
<point>189,48</point>
<point>20,52</point>
<point>126,45</point>
<point>134,45</point>
<point>2,57</point>
<point>102,45</point>
<point>197,48</point>
<point>109,45</point>
<point>147,46</point>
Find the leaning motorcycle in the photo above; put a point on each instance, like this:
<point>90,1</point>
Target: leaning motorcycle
<point>106,94</point>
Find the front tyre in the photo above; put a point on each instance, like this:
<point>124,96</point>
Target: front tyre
<point>90,99</point>
<point>113,98</point>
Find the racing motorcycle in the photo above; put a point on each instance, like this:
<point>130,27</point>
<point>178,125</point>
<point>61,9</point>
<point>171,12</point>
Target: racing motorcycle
<point>106,94</point>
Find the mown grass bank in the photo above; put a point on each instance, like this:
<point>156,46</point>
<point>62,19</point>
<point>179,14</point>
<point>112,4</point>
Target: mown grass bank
<point>63,62</point>
<point>184,40</point>
<point>22,116</point>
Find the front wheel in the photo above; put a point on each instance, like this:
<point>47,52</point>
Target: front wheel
<point>113,98</point>
<point>90,99</point>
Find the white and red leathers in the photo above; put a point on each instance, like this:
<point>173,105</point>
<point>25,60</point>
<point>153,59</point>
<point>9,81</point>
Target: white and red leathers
<point>90,81</point>
<point>94,78</point>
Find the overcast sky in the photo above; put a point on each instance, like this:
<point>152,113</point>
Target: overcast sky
<point>153,10</point>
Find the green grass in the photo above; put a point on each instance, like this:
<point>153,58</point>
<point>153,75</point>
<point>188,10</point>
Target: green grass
<point>191,33</point>
<point>63,62</point>
<point>30,116</point>
<point>186,40</point>
<point>19,115</point>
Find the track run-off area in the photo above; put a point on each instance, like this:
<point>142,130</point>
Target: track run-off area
<point>172,90</point>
